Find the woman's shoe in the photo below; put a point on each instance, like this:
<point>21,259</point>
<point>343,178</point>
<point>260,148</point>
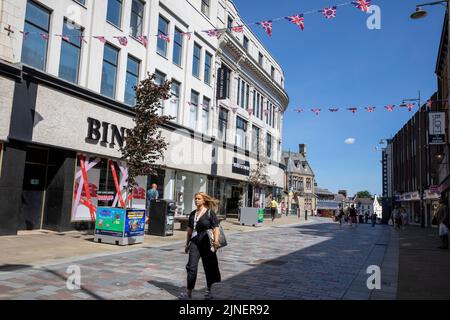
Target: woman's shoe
<point>184,296</point>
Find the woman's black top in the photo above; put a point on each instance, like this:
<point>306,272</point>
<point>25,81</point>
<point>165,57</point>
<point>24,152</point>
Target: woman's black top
<point>207,221</point>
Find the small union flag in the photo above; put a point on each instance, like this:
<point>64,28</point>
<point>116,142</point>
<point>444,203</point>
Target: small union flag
<point>238,29</point>
<point>316,111</point>
<point>363,5</point>
<point>234,109</point>
<point>390,108</point>
<point>298,20</point>
<point>44,36</point>
<point>122,40</point>
<point>144,40</point>
<point>213,33</point>
<point>102,39</point>
<point>329,13</point>
<point>187,35</point>
<point>25,34</point>
<point>250,111</point>
<point>334,109</point>
<point>267,25</point>
<point>164,37</point>
<point>299,110</point>
<point>370,109</point>
<point>353,110</point>
<point>429,103</point>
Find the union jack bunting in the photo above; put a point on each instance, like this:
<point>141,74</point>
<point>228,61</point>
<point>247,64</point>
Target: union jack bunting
<point>298,20</point>
<point>334,109</point>
<point>44,36</point>
<point>370,109</point>
<point>390,108</point>
<point>316,111</point>
<point>299,110</point>
<point>363,5</point>
<point>234,109</point>
<point>429,103</point>
<point>250,111</point>
<point>410,106</point>
<point>353,110</point>
<point>267,25</point>
<point>238,29</point>
<point>64,37</point>
<point>329,13</point>
<point>122,40</point>
<point>164,37</point>
<point>100,38</point>
<point>144,40</point>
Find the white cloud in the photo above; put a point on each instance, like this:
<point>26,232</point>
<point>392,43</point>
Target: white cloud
<point>350,141</point>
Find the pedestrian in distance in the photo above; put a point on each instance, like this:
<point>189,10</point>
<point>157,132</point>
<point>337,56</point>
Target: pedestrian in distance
<point>404,218</point>
<point>273,208</point>
<point>442,217</point>
<point>198,244</point>
<point>152,194</point>
<point>341,215</point>
<point>374,219</point>
<point>353,214</point>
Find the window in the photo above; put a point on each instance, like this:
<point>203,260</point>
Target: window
<point>223,124</point>
<point>258,104</point>
<point>205,7</point>
<point>163,29</point>
<point>177,47</point>
<point>137,17</point>
<point>114,12</point>
<point>269,146</point>
<point>255,139</point>
<point>34,50</point>
<point>196,62</point>
<point>70,52</point>
<point>109,71</point>
<point>83,2</point>
<point>205,114</point>
<point>241,133</point>
<point>245,43</point>
<point>131,80</point>
<point>159,80</point>
<point>272,72</point>
<point>175,99</point>
<point>193,110</point>
<point>230,23</point>
<point>208,63</point>
<point>228,79</point>
<point>260,59</point>
<point>272,123</point>
<point>243,94</point>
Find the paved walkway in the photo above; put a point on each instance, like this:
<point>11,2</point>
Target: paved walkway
<point>313,260</point>
<point>424,270</point>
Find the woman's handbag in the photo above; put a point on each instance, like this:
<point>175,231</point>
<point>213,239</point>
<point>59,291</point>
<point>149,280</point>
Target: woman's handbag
<point>222,238</point>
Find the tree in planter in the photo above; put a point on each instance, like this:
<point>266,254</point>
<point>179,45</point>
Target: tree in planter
<point>144,144</point>
<point>258,177</point>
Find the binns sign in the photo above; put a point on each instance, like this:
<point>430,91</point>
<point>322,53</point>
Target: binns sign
<point>105,133</point>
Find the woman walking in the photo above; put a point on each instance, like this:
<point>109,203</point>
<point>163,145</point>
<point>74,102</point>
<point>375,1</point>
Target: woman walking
<point>198,244</point>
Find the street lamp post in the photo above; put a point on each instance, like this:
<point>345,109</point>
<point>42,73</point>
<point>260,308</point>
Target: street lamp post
<point>422,14</point>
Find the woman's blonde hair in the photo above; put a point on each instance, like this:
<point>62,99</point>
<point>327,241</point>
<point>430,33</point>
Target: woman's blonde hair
<point>210,202</point>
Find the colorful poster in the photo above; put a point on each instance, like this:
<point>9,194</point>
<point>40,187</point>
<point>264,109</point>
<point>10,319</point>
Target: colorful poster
<point>135,223</point>
<point>110,222</point>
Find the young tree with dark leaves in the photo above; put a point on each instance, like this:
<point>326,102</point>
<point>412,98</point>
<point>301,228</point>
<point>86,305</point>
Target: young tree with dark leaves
<point>144,144</point>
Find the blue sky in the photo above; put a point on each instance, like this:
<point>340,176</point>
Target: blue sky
<point>341,63</point>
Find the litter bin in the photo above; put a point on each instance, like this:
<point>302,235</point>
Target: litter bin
<point>161,218</point>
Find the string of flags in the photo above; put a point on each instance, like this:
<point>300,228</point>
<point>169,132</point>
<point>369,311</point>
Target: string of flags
<point>297,19</point>
<point>371,109</point>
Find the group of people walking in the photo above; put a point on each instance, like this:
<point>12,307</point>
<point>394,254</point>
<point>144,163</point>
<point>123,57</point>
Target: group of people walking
<point>351,216</point>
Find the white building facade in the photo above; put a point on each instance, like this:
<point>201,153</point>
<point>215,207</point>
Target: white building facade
<point>66,102</point>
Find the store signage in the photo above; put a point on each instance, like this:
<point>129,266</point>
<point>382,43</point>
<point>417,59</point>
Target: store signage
<point>222,83</point>
<point>105,133</point>
<point>241,167</point>
<point>436,133</point>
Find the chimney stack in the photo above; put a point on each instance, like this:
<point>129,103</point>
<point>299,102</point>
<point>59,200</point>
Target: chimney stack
<point>302,149</point>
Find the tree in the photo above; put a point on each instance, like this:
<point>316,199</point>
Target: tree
<point>144,145</point>
<point>364,194</point>
<point>259,177</point>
